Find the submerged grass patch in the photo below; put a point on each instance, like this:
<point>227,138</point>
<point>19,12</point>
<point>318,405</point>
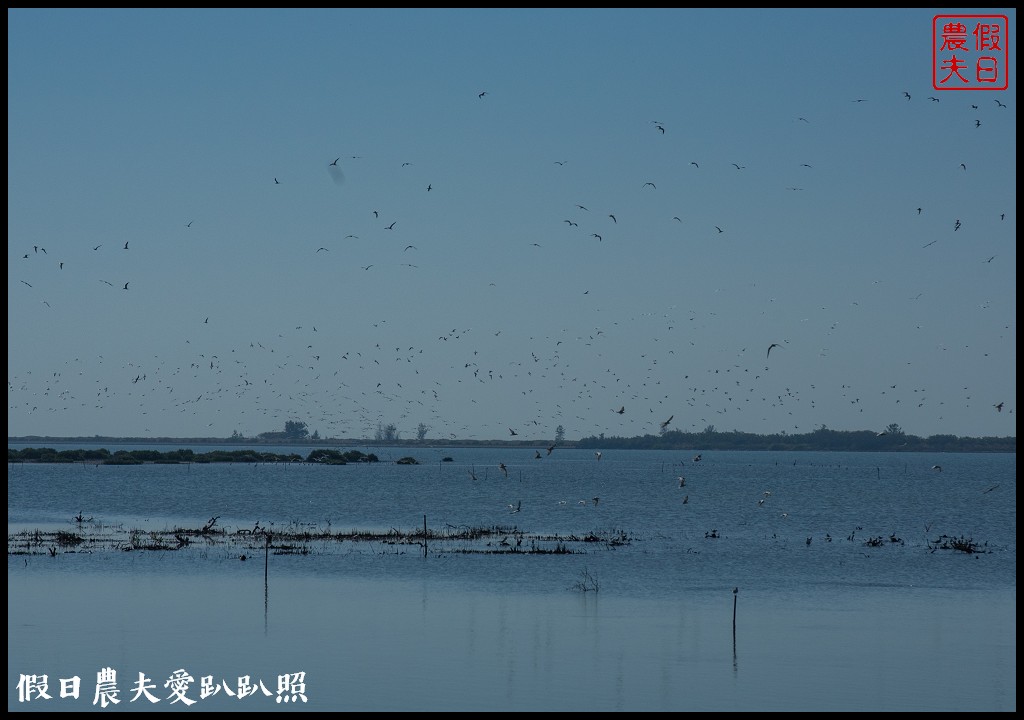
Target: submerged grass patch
<point>300,540</point>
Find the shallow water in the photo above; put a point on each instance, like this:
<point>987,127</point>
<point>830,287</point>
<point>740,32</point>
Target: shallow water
<point>831,625</point>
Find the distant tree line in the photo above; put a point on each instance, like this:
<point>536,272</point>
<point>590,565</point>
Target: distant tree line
<point>103,456</point>
<point>892,439</point>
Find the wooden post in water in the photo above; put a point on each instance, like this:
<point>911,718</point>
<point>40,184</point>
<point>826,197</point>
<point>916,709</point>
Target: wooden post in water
<point>266,558</point>
<point>424,536</point>
<point>735,594</point>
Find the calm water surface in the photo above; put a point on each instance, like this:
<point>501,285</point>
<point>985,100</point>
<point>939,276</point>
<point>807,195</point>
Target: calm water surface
<point>830,624</point>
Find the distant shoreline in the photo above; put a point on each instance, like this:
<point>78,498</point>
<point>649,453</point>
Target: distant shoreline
<point>821,440</point>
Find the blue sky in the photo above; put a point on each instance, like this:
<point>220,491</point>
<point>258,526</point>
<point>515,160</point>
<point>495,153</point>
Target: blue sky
<point>461,267</point>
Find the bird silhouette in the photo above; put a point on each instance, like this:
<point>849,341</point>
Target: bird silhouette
<point>666,423</point>
<point>391,226</point>
<point>773,345</point>
<point>651,184</point>
<point>613,218</point>
<point>512,432</point>
<point>621,410</point>
<point>480,95</point>
<point>126,245</point>
<point>276,181</point>
<point>335,161</point>
<point>999,103</point>
<point>998,407</point>
<point>501,466</point>
<point>126,286</point>
<point>906,94</point>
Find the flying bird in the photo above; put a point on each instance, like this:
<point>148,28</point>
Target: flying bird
<point>998,406</point>
<point>666,423</point>
<point>998,103</point>
<point>933,98</point>
<point>773,345</point>
<point>410,247</point>
<point>651,184</point>
<point>719,229</point>
<point>482,94</point>
<point>276,181</point>
<point>391,226</point>
<point>126,245</point>
<point>126,286</point>
<point>621,410</point>
<point>739,167</point>
<point>512,432</point>
<point>29,284</point>
<point>695,165</point>
<point>661,128</point>
<point>613,218</point>
<point>906,94</point>
<point>335,161</point>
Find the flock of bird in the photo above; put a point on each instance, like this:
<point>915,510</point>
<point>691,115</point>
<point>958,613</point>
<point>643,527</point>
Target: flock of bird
<point>417,384</point>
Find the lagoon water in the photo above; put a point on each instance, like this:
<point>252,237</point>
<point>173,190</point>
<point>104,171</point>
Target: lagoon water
<point>846,599</point>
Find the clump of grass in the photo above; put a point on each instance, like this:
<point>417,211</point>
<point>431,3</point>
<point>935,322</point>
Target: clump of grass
<point>586,583</point>
<point>960,544</point>
<point>66,539</point>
